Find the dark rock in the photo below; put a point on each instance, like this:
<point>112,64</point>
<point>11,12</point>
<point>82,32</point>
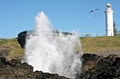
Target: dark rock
<point>89,61</point>
<point>93,67</point>
<point>22,36</point>
<point>101,68</point>
<point>14,69</point>
<point>1,61</point>
<point>48,76</point>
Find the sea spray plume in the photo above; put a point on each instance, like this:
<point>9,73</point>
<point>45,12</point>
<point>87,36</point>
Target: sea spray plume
<point>53,52</point>
<point>42,24</point>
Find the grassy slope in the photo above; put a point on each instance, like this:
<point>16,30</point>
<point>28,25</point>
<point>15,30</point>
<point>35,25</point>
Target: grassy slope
<point>12,47</point>
<point>101,44</point>
<point>89,45</point>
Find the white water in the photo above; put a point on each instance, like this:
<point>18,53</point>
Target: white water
<point>53,53</point>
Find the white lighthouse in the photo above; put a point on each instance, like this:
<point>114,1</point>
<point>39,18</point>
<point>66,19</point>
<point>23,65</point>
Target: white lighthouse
<point>109,20</point>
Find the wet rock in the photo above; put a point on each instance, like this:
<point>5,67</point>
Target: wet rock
<point>98,67</point>
<point>93,67</point>
<point>48,76</point>
<point>89,61</point>
<point>14,69</point>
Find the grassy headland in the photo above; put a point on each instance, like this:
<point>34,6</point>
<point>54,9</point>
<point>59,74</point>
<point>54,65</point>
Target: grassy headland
<point>101,45</point>
<point>10,48</point>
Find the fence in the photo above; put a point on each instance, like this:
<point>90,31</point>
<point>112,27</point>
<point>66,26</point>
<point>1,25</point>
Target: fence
<point>92,34</point>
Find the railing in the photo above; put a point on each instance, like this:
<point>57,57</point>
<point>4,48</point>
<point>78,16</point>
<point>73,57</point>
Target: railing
<point>92,34</point>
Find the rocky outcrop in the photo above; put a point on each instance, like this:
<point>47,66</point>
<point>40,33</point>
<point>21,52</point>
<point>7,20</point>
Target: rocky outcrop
<point>14,69</point>
<point>22,38</point>
<point>93,67</point>
<point>98,67</point>
<point>25,34</point>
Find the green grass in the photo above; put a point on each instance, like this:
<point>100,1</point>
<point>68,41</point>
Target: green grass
<point>100,44</point>
<point>97,45</point>
<point>12,47</point>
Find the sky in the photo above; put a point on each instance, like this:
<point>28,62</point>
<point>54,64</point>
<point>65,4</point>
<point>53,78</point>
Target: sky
<point>65,15</point>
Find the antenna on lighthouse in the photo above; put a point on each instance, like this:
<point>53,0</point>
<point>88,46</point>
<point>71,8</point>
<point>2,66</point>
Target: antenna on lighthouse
<point>109,20</point>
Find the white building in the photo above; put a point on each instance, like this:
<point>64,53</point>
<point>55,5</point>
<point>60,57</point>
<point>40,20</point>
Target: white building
<point>109,20</point>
